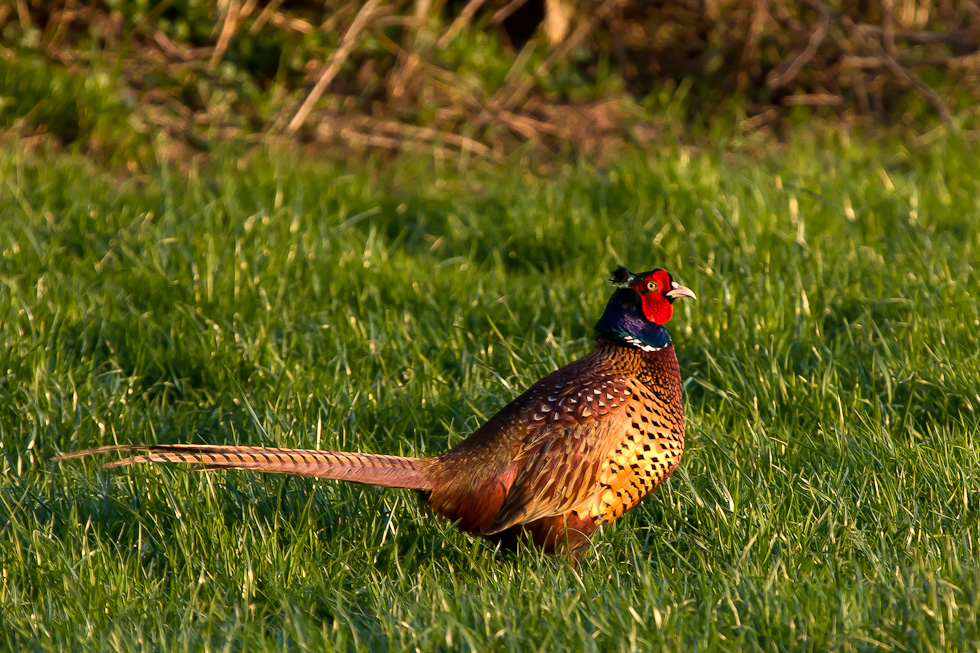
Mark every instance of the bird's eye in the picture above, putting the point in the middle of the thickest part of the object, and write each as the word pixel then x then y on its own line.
pixel 651 285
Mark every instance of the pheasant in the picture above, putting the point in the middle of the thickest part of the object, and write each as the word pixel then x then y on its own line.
pixel 578 449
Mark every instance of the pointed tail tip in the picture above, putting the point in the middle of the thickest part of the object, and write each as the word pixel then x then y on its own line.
pixel 94 451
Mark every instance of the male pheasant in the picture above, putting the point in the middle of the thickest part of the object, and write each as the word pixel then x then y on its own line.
pixel 578 449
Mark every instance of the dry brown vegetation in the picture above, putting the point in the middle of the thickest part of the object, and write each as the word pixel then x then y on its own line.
pixel 485 76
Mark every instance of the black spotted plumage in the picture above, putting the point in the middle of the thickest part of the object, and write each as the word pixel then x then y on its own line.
pixel 578 449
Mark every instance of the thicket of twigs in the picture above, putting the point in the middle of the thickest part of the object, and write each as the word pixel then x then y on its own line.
pixel 482 76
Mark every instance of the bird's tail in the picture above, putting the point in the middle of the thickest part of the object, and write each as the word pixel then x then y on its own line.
pixel 370 469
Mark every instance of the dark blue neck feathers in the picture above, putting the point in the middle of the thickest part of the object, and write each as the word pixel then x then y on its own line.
pixel 623 320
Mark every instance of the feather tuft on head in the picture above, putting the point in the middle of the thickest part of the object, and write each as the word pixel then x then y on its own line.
pixel 620 276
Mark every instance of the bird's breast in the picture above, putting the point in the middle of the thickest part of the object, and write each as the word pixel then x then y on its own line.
pixel 650 448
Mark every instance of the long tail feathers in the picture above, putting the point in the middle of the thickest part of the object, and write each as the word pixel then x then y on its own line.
pixel 370 469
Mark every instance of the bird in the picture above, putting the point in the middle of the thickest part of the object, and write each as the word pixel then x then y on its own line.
pixel 575 451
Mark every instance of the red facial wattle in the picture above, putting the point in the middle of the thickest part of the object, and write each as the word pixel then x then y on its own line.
pixel 653 291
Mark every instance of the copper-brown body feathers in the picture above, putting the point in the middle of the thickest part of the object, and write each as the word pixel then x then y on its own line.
pixel 578 449
pixel 581 447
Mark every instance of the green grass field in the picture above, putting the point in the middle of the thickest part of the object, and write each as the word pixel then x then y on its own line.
pixel 829 497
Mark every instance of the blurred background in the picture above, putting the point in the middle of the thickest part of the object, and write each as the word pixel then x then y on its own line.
pixel 122 79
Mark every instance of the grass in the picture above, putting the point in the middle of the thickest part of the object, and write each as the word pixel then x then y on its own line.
pixel 828 498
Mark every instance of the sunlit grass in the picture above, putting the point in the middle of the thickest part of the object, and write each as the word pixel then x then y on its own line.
pixel 828 499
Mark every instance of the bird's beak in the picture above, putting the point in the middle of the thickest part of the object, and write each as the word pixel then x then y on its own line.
pixel 677 290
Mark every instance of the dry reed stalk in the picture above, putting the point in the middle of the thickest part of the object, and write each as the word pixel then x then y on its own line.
pixel 461 21
pixel 267 13
pixel 504 12
pixel 23 14
pixel 396 135
pixel 227 31
pixel 509 101
pixel 332 67
pixel 407 61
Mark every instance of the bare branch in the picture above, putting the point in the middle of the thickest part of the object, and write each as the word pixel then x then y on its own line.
pixel 778 79
pixel 905 76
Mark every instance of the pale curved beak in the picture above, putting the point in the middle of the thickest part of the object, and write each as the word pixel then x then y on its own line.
pixel 677 290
